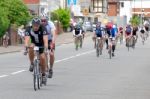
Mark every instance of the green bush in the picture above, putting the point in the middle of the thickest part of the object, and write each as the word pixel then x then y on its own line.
pixel 12 12
pixel 135 20
pixel 63 16
pixel 4 22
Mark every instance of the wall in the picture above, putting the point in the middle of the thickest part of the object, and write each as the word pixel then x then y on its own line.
pixel 126 10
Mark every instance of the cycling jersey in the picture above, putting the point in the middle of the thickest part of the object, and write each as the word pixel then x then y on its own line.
pixel 36 36
pixel 99 31
pixel 135 29
pixel 113 32
pixel 50 27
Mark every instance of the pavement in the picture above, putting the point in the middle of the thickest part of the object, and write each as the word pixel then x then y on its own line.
pixel 63 38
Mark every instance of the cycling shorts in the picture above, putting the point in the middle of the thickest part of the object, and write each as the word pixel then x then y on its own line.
pixel 98 35
pixel 128 33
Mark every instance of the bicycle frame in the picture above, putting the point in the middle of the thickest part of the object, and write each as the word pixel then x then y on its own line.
pixel 143 38
pixel 99 45
pixel 111 42
pixel 78 41
pixel 36 69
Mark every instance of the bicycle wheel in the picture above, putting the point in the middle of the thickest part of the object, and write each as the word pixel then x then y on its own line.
pixel 81 42
pixel 39 79
pixel 76 43
pixel 97 49
pixel 101 47
pixel 128 44
pixel 35 77
pixel 110 53
pixel 128 47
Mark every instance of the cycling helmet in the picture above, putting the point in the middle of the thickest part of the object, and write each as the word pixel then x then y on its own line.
pixel 36 21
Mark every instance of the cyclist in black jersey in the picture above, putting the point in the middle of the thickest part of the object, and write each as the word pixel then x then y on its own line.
pixel 38 36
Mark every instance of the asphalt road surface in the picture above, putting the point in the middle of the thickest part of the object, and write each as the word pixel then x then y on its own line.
pixel 81 75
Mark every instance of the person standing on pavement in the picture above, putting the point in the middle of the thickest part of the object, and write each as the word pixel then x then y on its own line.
pixel 51 41
pixel 5 40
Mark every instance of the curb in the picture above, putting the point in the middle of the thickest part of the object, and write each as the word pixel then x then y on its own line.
pixel 15 51
pixel 10 52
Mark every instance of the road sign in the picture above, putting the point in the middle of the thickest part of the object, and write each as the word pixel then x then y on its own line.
pixel 85 11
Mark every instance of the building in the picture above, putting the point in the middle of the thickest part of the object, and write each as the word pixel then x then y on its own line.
pixel 40 7
pixel 135 7
pixel 33 6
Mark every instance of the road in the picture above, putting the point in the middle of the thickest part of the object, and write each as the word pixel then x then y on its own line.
pixel 81 75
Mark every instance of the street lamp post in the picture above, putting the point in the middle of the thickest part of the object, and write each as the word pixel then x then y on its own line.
pixel 142 16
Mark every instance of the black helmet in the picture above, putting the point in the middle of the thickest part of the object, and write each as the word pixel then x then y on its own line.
pixel 36 21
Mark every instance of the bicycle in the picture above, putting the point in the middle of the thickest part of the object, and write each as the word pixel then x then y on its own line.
pixel 111 43
pixel 78 41
pixel 134 40
pixel 99 46
pixel 37 74
pixel 121 37
pixel 128 42
pixel 143 38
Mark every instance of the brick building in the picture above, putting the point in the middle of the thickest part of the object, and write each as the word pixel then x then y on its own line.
pixel 33 6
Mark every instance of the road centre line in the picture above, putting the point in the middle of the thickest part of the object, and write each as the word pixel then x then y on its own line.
pixel 80 54
pixel 57 61
pixel 2 76
pixel 18 72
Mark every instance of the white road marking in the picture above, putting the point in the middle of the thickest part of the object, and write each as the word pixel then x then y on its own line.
pixel 57 61
pixel 18 72
pixel 2 76
pixel 80 54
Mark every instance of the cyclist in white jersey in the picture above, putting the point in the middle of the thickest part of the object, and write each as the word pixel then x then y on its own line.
pixel 51 41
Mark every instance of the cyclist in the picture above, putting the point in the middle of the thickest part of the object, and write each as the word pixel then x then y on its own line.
pixel 113 38
pixel 51 41
pixel 38 35
pixel 77 32
pixel 98 32
pixel 121 34
pixel 142 31
pixel 108 28
pixel 146 26
pixel 134 33
pixel 128 33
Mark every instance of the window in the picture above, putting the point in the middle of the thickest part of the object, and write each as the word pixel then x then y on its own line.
pixel 122 4
pixel 98 6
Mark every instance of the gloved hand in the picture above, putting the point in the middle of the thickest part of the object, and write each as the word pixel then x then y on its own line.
pixel 52 45
pixel 25 51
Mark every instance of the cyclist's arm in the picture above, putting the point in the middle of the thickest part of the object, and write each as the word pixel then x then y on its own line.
pixel 80 32
pixel 27 37
pixel 53 31
pixel 45 38
pixel 73 32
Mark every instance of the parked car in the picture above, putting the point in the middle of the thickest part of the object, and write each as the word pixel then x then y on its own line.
pixel 88 26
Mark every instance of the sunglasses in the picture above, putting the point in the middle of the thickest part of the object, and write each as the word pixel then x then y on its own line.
pixel 43 20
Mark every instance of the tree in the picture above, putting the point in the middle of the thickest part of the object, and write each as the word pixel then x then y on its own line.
pixel 63 16
pixel 12 12
pixel 18 12
pixel 135 20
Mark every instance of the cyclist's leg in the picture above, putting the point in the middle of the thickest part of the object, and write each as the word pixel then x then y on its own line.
pixel 81 40
pixel 52 59
pixel 31 58
pixel 113 47
pixel 43 65
pixel 106 40
pixel 43 62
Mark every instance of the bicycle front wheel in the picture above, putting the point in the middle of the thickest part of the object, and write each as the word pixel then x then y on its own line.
pixel 36 77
